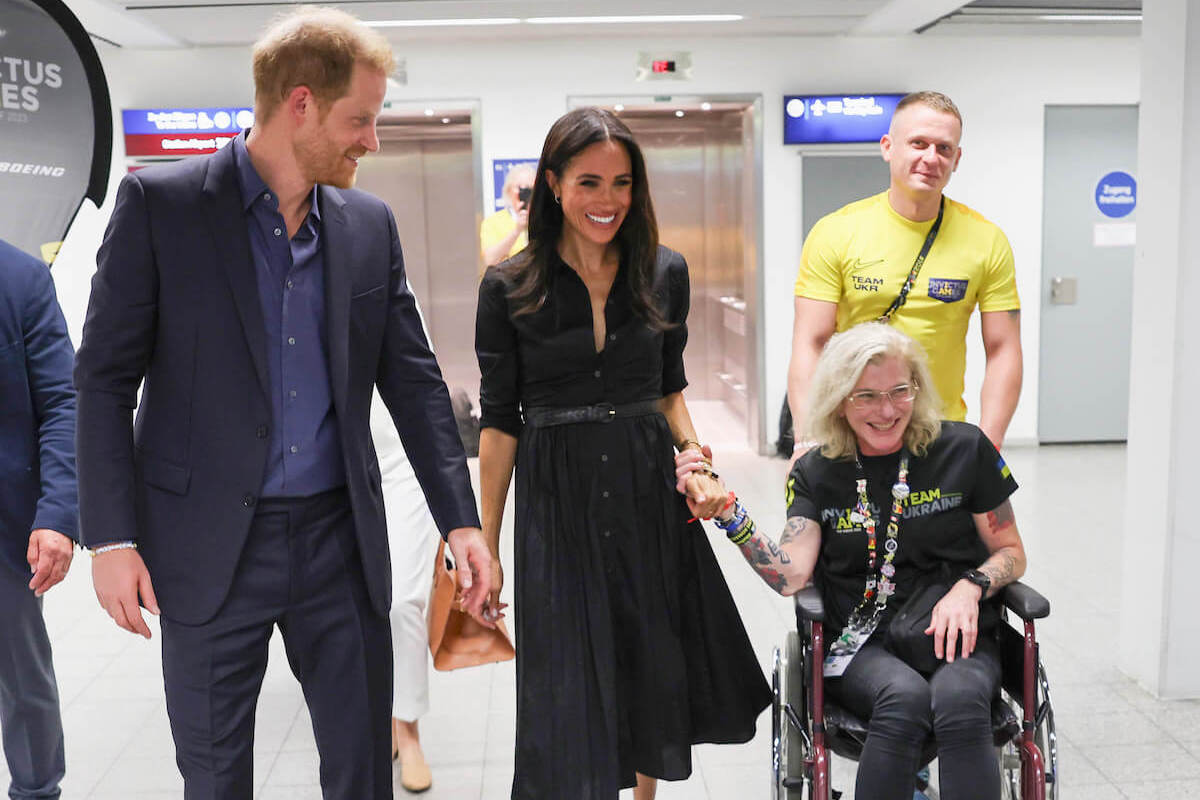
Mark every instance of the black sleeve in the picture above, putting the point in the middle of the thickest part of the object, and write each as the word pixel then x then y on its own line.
pixel 800 500
pixel 496 350
pixel 993 479
pixel 675 337
pixel 48 362
pixel 118 340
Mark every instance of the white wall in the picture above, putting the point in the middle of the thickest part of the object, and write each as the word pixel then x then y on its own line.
pixel 1000 84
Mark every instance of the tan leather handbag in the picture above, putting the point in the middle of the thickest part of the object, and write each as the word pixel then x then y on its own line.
pixel 455 639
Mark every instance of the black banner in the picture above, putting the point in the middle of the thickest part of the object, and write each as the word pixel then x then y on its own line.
pixel 55 124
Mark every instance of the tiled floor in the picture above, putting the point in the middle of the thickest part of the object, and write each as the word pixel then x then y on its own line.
pixel 1116 741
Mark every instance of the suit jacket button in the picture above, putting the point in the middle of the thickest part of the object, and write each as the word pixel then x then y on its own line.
pixel 248 500
pixel 261 432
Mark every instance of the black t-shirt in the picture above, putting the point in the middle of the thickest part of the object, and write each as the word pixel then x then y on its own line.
pixel 961 474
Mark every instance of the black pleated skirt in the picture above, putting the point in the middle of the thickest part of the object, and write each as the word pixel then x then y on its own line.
pixel 629 646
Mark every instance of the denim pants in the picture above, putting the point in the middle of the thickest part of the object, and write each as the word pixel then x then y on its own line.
pixel 903 706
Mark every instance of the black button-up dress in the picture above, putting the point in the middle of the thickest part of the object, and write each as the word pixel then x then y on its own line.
pixel 629 646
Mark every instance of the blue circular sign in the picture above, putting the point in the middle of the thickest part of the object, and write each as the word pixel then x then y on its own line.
pixel 1116 194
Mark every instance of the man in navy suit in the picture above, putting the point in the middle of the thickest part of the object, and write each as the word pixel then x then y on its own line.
pixel 262 300
pixel 38 513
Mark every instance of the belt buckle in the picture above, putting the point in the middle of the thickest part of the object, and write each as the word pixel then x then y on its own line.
pixel 608 410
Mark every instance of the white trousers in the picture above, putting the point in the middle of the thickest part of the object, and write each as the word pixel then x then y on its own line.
pixel 413 537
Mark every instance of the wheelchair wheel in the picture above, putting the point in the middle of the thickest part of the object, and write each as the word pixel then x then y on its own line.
pixel 790 749
pixel 1044 737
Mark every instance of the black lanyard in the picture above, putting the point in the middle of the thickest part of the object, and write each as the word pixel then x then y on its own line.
pixel 916 267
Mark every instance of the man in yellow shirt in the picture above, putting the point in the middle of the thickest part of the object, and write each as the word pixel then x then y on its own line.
pixel 503 234
pixel 856 260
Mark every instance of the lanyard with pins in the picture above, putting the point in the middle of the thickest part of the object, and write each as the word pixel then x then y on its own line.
pixel 865 618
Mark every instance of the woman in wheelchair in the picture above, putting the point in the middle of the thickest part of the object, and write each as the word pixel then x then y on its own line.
pixel 903 522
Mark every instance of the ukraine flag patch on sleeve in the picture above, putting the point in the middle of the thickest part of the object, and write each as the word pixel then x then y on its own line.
pixel 1005 472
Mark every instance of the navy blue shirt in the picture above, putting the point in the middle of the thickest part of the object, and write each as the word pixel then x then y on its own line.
pixel 305 455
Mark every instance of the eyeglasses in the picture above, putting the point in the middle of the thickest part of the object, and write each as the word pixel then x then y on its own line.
pixel 900 395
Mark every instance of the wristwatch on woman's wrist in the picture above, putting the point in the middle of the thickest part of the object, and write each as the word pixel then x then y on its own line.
pixel 980 579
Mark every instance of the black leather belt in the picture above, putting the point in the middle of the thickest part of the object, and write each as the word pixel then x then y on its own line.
pixel 546 416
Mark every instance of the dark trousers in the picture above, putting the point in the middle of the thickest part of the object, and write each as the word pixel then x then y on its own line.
pixel 903 706
pixel 300 570
pixel 29 713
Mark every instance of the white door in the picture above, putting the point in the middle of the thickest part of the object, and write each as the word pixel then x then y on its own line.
pixel 1089 227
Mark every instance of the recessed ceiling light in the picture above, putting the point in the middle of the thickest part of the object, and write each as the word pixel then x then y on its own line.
pixel 445 120
pixel 679 113
pixel 618 107
pixel 440 23
pixel 1090 17
pixel 618 20
pixel 706 106
pixel 429 112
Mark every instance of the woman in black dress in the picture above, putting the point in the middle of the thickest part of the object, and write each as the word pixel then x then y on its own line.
pixel 629 647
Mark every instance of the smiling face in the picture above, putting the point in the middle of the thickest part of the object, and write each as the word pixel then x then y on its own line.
pixel 921 150
pixel 330 141
pixel 595 191
pixel 880 428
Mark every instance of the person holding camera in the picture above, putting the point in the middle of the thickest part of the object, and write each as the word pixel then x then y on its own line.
pixel 502 234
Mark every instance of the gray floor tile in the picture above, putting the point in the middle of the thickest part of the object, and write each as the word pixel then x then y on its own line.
pixel 1125 763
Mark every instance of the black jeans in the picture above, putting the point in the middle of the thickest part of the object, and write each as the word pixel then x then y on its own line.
pixel 903 707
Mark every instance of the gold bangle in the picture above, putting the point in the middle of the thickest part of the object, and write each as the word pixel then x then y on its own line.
pixel 683 445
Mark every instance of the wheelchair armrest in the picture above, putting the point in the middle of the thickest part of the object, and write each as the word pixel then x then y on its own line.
pixel 1025 602
pixel 809 605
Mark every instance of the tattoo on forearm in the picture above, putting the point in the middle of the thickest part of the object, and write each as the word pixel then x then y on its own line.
pixel 1000 568
pixel 1001 517
pixel 768 558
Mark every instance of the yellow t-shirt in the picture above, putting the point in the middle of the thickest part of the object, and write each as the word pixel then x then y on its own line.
pixel 497 226
pixel 860 255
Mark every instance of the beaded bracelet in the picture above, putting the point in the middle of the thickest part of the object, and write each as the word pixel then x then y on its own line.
pixel 115 546
pixel 683 445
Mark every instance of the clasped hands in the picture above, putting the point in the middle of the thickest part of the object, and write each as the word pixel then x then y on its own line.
pixel 706 494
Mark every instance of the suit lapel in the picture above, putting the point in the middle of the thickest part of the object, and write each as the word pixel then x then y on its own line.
pixel 227 224
pixel 337 245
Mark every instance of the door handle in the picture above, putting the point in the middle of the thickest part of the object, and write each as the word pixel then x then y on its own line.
pixel 1063 291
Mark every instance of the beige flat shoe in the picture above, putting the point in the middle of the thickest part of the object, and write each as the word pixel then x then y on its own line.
pixel 415 776
pixel 395 739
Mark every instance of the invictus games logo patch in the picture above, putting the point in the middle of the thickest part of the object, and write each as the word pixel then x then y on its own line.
pixel 948 290
pixel 1005 472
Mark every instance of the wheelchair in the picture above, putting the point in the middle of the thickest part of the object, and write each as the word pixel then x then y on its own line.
pixel 808 727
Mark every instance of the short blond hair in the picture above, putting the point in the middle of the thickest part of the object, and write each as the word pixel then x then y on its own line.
pixel 314 47
pixel 838 370
pixel 935 100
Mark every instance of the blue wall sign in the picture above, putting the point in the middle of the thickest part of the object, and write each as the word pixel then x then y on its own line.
pixel 1116 194
pixel 230 119
pixel 837 119
pixel 500 168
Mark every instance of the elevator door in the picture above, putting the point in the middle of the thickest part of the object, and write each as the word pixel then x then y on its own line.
pixel 701 186
pixel 427 175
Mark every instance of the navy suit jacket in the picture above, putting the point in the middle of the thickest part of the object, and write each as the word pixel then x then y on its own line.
pixel 37 409
pixel 175 302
